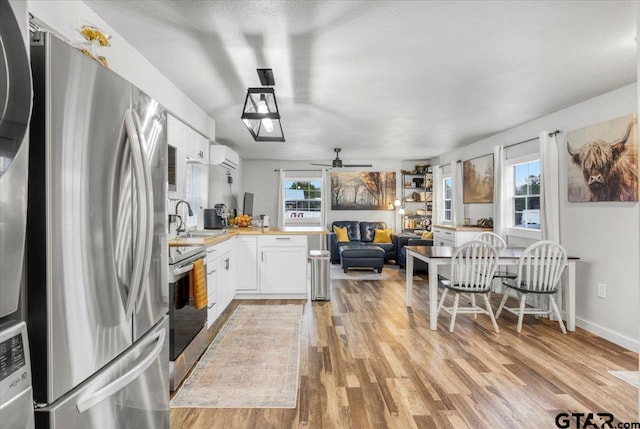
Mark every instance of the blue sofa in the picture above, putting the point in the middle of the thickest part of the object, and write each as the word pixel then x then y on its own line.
pixel 359 233
pixel 418 265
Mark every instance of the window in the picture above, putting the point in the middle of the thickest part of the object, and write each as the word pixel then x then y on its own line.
pixel 303 201
pixel 196 191
pixel 446 185
pixel 526 195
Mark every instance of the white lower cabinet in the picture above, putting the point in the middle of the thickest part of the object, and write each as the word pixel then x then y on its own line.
pixel 221 278
pixel 247 257
pixel 212 287
pixel 449 236
pixel 226 279
pixel 282 264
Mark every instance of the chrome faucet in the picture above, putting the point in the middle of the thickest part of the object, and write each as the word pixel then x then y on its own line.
pixel 183 224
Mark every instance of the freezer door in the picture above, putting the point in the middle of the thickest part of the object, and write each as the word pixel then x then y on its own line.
pixel 81 215
pixel 152 302
pixel 132 392
pixel 15 108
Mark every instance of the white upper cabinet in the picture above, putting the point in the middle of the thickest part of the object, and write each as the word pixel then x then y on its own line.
pixel 196 146
pixel 185 145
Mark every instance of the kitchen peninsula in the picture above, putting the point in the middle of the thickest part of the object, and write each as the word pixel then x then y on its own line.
pixel 271 262
pixel 245 263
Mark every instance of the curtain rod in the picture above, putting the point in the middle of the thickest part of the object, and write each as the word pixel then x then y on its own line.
pixel 552 133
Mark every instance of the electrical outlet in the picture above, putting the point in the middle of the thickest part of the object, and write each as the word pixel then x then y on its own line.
pixel 602 290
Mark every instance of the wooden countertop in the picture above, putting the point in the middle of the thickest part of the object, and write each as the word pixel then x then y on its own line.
pixel 201 241
pixel 463 228
pixel 232 232
pixel 289 230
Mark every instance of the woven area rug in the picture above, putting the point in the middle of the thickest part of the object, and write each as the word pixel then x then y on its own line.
pixel 252 363
pixel 631 377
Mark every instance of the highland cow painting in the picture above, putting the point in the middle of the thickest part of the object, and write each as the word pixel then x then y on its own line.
pixel 477 179
pixel 371 190
pixel 603 161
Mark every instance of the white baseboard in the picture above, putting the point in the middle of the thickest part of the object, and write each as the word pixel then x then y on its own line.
pixel 609 335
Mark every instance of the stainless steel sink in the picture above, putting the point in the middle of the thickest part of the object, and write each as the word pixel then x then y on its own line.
pixel 203 233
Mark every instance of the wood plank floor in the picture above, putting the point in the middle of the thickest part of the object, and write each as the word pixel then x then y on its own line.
pixel 369 362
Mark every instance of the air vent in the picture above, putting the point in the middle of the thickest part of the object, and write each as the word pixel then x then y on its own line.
pixel 223 156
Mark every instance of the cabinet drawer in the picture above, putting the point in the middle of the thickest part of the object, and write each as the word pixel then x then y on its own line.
pixel 443 242
pixel 224 247
pixel 283 240
pixel 443 234
pixel 212 254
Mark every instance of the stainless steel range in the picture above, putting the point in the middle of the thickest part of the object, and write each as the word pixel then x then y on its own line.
pixel 188 336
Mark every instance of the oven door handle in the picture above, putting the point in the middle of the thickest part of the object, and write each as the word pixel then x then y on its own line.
pixel 182 270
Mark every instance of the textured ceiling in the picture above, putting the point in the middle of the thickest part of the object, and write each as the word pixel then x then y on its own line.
pixel 382 79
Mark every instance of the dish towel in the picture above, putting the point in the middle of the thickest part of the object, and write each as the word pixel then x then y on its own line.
pixel 198 285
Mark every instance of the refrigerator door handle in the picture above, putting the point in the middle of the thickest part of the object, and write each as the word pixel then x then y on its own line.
pixel 94 397
pixel 141 215
pixel 148 209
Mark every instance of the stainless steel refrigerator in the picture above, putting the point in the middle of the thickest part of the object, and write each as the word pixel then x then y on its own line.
pixel 16 402
pixel 97 249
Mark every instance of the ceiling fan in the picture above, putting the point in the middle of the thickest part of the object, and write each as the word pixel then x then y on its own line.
pixel 337 163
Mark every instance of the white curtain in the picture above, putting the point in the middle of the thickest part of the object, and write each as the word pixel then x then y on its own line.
pixel 549 192
pixel 438 196
pixel 281 197
pixel 500 203
pixel 326 197
pixel 458 205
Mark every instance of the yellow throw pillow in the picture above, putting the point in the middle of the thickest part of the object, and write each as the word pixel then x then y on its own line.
pixel 341 233
pixel 427 235
pixel 382 236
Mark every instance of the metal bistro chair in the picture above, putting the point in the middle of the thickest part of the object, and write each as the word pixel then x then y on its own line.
pixel 539 271
pixel 472 268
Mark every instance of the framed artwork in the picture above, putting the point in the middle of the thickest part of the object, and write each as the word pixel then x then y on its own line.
pixel 477 180
pixel 603 161
pixel 371 190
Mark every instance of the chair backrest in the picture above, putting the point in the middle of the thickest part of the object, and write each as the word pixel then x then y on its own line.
pixel 473 265
pixel 541 266
pixel 492 238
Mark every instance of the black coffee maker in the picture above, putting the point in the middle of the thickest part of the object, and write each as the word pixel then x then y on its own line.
pixel 216 218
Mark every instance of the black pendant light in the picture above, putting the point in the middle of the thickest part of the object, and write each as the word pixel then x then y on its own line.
pixel 260 113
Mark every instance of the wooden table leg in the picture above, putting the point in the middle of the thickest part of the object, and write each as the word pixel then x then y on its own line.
pixel 433 295
pixel 570 296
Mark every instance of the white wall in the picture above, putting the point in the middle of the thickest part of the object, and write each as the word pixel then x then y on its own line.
pixel 64 17
pixel 260 177
pixel 221 192
pixel 604 235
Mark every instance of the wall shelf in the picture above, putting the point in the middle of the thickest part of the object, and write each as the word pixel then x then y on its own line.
pixel 416 201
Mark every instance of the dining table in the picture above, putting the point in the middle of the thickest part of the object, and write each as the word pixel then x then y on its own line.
pixel 439 256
